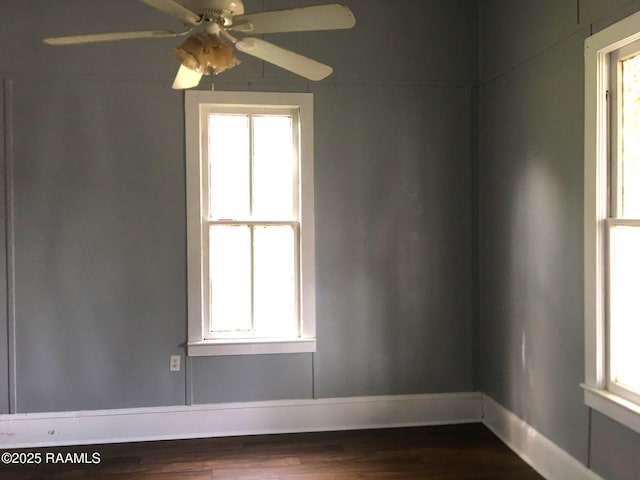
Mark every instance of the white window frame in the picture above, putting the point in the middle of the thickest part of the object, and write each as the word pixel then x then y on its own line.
pixel 198 104
pixel 598 51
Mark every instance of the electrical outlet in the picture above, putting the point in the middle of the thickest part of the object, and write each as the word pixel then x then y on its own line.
pixel 174 363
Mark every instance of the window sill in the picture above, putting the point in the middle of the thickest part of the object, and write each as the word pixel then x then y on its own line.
pixel 207 348
pixel 621 410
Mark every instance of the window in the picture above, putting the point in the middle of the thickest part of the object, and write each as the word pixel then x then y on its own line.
pixel 612 221
pixel 250 231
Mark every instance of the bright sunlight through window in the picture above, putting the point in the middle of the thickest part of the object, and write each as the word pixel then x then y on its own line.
pixel 253 225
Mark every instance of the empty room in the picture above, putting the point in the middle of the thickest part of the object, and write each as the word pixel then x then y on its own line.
pixel 460 211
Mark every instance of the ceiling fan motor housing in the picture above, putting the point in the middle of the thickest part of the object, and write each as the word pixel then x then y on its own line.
pixel 215 10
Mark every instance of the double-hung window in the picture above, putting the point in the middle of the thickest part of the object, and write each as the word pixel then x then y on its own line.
pixel 612 221
pixel 250 232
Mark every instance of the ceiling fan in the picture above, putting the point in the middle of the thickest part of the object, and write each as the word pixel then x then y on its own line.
pixel 210 22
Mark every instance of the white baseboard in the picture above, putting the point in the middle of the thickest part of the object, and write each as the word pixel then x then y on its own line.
pixel 547 458
pixel 290 416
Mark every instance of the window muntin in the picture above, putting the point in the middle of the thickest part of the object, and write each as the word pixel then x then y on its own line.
pixel 251 162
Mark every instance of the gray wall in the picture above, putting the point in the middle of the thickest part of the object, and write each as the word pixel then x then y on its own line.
pixel 93 238
pixel 93 157
pixel 530 185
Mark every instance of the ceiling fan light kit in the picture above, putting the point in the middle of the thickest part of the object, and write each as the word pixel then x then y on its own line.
pixel 210 21
pixel 186 78
pixel 203 51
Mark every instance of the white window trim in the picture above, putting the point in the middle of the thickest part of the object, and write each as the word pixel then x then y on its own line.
pixel 597 50
pixel 197 325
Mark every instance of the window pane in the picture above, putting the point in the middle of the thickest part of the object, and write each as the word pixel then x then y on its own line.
pixel 630 168
pixel 229 181
pixel 624 329
pixel 273 167
pixel 230 278
pixel 274 277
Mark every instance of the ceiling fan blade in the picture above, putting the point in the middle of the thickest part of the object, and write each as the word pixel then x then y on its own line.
pixel 294 62
pixel 175 10
pixel 109 37
pixel 332 16
pixel 186 78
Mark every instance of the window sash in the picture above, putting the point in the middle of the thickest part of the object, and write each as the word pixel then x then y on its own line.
pixel 616 120
pixel 210 333
pixel 250 112
pixel 626 391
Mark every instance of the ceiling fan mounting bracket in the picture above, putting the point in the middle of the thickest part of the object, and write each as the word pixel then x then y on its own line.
pixel 219 12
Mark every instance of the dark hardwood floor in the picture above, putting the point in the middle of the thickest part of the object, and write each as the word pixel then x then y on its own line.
pixel 460 452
